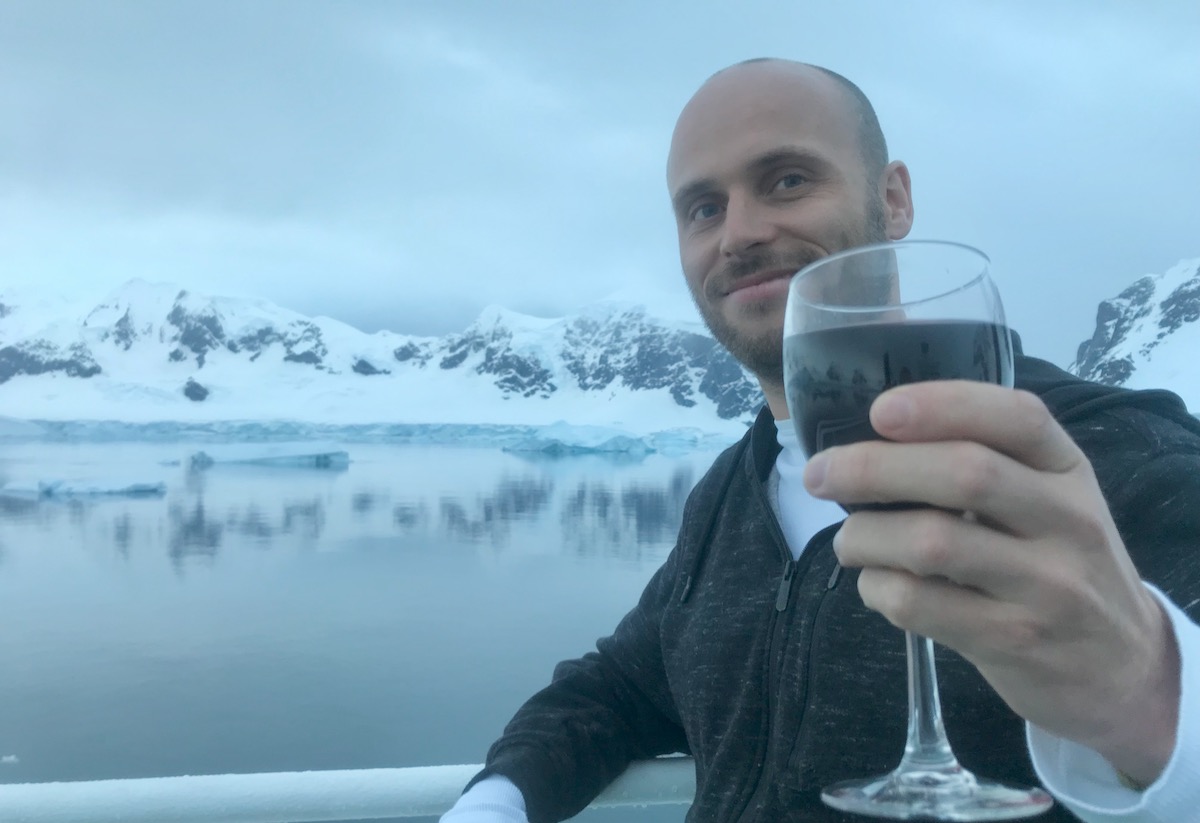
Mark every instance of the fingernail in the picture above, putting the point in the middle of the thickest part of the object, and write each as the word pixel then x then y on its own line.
pixel 814 472
pixel 892 411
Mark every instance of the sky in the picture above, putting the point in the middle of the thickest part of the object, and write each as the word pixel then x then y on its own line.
pixel 402 165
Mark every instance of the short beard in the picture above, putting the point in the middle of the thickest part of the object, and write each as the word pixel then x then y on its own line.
pixel 763 355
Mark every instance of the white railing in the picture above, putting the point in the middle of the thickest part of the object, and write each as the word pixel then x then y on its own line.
pixel 300 797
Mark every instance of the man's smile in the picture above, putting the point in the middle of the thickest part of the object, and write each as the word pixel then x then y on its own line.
pixel 759 286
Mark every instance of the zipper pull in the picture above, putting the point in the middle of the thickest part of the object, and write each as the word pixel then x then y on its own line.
pixel 833 578
pixel 785 586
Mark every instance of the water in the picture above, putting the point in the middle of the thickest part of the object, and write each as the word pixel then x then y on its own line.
pixel 391 614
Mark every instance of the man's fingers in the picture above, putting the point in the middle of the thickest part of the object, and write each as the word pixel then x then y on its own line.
pixel 938 609
pixel 1015 423
pixel 959 476
pixel 936 543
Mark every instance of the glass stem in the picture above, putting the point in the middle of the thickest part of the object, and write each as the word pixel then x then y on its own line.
pixel 927 747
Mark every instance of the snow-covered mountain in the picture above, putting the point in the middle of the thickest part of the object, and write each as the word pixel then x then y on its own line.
pixel 1148 336
pixel 154 352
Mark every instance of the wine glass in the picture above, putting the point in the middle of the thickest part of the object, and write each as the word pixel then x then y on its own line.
pixel 858 323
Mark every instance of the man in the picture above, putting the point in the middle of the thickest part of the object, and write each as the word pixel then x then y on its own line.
pixel 751 650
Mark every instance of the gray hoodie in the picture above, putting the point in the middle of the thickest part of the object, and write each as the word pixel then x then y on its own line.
pixel 772 674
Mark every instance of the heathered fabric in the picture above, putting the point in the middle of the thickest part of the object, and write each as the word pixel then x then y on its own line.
pixel 777 696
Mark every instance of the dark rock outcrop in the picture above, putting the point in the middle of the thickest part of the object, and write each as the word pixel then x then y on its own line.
pixel 41 356
pixel 194 391
pixel 365 368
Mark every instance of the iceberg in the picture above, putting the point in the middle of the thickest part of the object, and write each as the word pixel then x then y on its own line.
pixel 278 455
pixel 565 440
pixel 62 489
pixel 675 442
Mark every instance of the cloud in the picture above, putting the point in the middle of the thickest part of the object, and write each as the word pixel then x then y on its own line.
pixel 491 76
pixel 409 163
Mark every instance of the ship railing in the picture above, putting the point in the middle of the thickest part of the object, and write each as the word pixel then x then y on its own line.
pixel 303 797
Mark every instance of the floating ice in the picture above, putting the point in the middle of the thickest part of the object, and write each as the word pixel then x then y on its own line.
pixel 280 455
pixel 563 439
pixel 9 760
pixel 85 488
pixel 685 440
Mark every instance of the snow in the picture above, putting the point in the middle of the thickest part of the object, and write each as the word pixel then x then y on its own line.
pixel 140 385
pixel 493 316
pixel 666 305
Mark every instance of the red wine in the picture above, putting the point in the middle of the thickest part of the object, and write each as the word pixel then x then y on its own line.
pixel 833 375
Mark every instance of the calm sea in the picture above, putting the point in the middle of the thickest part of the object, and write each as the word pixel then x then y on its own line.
pixel 392 613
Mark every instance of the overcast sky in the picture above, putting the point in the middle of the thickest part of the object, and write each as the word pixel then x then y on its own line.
pixel 401 165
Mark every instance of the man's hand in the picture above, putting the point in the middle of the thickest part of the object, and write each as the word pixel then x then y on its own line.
pixel 1033 586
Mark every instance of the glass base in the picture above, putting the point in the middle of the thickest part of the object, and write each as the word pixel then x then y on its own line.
pixel 952 794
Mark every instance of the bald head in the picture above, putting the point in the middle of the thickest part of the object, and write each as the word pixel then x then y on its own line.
pixel 775 164
pixel 854 104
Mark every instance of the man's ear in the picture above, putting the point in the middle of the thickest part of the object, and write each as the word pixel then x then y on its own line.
pixel 897 200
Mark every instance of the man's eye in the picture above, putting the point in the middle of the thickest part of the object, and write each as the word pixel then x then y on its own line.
pixel 790 181
pixel 704 211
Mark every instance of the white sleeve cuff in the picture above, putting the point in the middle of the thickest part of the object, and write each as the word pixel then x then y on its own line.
pixel 495 799
pixel 1083 781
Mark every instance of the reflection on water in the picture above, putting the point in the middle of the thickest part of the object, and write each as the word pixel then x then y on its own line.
pixel 600 508
pixel 193 534
pixel 489 517
pixel 600 519
pixel 264 619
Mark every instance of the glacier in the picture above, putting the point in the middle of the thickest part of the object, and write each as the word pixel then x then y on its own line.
pixel 564 440
pixel 301 443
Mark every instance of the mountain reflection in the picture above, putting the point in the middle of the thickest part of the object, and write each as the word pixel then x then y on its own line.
pixel 363 503
pixel 252 523
pixel 17 508
pixel 194 534
pixel 304 519
pixel 576 507
pixel 409 517
pixel 491 516
pixel 598 521
pixel 123 534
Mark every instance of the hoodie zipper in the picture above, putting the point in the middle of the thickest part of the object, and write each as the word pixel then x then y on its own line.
pixel 775 653
pixel 818 614
pixel 783 597
pixel 785 586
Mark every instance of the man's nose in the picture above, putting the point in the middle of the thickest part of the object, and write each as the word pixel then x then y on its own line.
pixel 746 225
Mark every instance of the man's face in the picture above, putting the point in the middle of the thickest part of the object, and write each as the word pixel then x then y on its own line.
pixel 766 175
